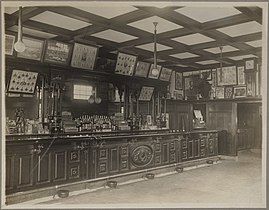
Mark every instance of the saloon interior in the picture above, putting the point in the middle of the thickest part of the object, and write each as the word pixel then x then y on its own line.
pixel 133 104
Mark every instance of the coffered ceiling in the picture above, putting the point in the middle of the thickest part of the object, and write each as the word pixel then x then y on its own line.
pixel 189 38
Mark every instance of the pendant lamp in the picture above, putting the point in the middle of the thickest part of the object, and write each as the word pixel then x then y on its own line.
pixel 155 71
pixel 19 45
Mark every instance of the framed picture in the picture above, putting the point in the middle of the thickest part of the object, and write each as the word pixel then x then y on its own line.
pixel 219 92
pixel 251 64
pixel 154 76
pixel 57 52
pixel 22 82
pixel 178 81
pixel 165 74
pixel 9 44
pixel 241 75
pixel 178 94
pixel 125 64
pixel 228 92
pixel 84 56
pixel 206 74
pixel 33 49
pixel 142 69
pixel 214 77
pixel 227 76
pixel 240 92
pixel 146 93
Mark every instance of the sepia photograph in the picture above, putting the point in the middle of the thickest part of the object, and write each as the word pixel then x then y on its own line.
pixel 134 104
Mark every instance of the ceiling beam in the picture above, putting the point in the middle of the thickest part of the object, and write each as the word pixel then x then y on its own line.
pixel 252 13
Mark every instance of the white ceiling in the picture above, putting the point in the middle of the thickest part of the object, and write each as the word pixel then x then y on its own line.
pixel 226 48
pixel 193 39
pixel 150 47
pixel 185 55
pixel 33 32
pixel 61 21
pixel 256 43
pixel 207 62
pixel 241 57
pixel 205 14
pixel 241 29
pixel 114 36
pixel 147 24
pixel 107 11
pixel 11 10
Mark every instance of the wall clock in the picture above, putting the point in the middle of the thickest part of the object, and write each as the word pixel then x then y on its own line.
pixel 250 64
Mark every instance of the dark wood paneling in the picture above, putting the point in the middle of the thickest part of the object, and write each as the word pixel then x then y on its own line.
pixel 43 168
pixel 60 166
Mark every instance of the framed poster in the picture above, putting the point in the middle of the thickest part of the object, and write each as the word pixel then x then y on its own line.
pixel 206 74
pixel 153 76
pixel 219 92
pixel 178 81
pixel 9 44
pixel 33 49
pixel 240 92
pixel 22 82
pixel 241 75
pixel 57 52
pixel 165 74
pixel 228 92
pixel 146 93
pixel 125 64
pixel 142 69
pixel 84 56
pixel 227 76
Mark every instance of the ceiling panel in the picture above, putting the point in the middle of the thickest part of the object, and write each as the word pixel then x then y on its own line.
pixel 61 21
pixel 207 62
pixel 241 57
pixel 184 55
pixel 241 29
pixel 150 47
pixel 114 36
pixel 152 60
pixel 11 10
pixel 193 39
pixel 33 32
pixel 216 50
pixel 256 43
pixel 107 12
pixel 205 14
pixel 180 65
pixel 147 25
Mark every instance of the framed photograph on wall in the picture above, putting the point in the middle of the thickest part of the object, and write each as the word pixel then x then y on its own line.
pixel 228 92
pixel 165 74
pixel 22 82
pixel 33 49
pixel 206 74
pixel 57 52
pixel 240 92
pixel 227 76
pixel 154 76
pixel 142 69
pixel 125 64
pixel 9 44
pixel 178 81
pixel 84 56
pixel 219 92
pixel 146 93
pixel 241 75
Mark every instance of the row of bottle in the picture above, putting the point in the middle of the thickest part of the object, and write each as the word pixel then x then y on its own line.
pixel 94 123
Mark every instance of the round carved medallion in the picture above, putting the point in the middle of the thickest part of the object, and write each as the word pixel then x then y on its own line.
pixel 142 155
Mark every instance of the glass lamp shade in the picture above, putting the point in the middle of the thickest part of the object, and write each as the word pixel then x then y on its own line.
pixel 91 99
pixel 155 72
pixel 98 100
pixel 19 46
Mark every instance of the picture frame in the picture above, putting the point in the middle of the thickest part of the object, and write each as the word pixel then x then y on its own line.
pixel 84 56
pixel 219 92
pixel 126 64
pixel 9 44
pixel 146 93
pixel 23 82
pixel 57 52
pixel 33 49
pixel 240 92
pixel 228 92
pixel 227 76
pixel 165 74
pixel 206 74
pixel 142 69
pixel 214 77
pixel 178 81
pixel 152 76
pixel 241 75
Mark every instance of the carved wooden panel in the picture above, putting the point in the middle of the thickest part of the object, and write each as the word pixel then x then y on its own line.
pixel 103 154
pixel 9 172
pixel 102 168
pixel 157 159
pixel 196 148
pixel 114 160
pixel 211 147
pixel 165 153
pixel 190 145
pixel 60 165
pixel 124 150
pixel 43 168
pixel 184 155
pixel 124 164
pixel 74 172
pixel 141 155
pixel 24 170
pixel 74 156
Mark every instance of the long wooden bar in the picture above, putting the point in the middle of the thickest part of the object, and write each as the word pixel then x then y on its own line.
pixel 33 163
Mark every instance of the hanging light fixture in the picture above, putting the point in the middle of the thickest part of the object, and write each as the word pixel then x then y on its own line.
pixel 221 48
pixel 155 71
pixel 19 45
pixel 93 99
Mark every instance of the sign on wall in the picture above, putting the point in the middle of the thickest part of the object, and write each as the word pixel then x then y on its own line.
pixel 146 93
pixel 125 64
pixel 33 49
